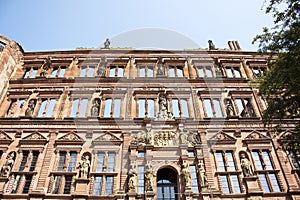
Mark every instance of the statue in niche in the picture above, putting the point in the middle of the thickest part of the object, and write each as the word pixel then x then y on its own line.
pixel 84 167
pixel 132 179
pixel 183 137
pixel 186 176
pixel 149 177
pixel 246 165
pixel 211 45
pixel 218 71
pixel 7 167
pixel 106 43
pixel 30 108
pixel 229 108
pixel 95 108
pixel 163 108
pixel 101 67
pixel 45 67
pixel 160 68
pixel 202 175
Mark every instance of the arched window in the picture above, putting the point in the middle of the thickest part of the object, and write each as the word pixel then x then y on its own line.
pixel 167 184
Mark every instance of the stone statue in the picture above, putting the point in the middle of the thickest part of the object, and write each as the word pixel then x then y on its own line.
pixel 211 45
pixel 101 67
pixel 160 68
pixel 10 160
pixel 246 166
pixel 229 108
pixel 106 43
pixel 30 108
pixel 132 179
pixel 95 108
pixel 186 176
pixel 149 177
pixel 202 175
pixel 45 67
pixel 193 139
pixel 84 166
pixel 218 71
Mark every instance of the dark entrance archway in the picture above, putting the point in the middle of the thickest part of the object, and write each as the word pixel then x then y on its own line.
pixel 166 187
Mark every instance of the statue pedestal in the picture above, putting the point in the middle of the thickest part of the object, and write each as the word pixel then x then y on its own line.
pixel 3 180
pixel 188 194
pixel 120 195
pixel 132 195
pixel 252 185
pixel 149 195
pixel 82 188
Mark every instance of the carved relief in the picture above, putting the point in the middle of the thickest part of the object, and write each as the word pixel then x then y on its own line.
pixel 7 167
pixel 70 137
pixel 255 135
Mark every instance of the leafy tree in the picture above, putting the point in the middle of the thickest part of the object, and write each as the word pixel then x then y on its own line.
pixel 281 85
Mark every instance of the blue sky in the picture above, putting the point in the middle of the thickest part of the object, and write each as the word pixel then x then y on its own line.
pixel 67 24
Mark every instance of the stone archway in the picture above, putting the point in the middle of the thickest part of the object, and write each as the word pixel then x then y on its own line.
pixel 167 184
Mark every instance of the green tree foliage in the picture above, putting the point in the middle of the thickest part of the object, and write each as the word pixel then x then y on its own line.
pixel 281 85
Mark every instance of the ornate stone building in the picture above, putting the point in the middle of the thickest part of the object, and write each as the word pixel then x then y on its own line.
pixel 139 124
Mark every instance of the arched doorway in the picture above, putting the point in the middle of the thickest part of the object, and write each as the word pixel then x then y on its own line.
pixel 166 185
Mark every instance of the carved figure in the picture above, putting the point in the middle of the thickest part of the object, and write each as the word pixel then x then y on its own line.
pixel 186 176
pixel 149 177
pixel 202 175
pixel 95 108
pixel 193 138
pixel 132 179
pixel 160 68
pixel 229 109
pixel 218 71
pixel 106 43
pixel 211 45
pixel 101 67
pixel 246 166
pixel 45 67
pixel 30 108
pixel 84 166
pixel 8 165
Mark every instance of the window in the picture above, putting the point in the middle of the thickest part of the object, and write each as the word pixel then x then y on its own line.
pixel 294 161
pixel 212 107
pixel 191 154
pixel 112 107
pixel 266 173
pixel 258 71
pixel 116 71
pixel 105 160
pixel 204 71
pixel 233 71
pixel 30 158
pixel 100 161
pixel 15 107
pixel 146 108
pixel 194 179
pixel 166 185
pixel 230 181
pixel 59 187
pixel 145 71
pixel 98 185
pixel 244 107
pixel 63 158
pixel 109 185
pixel 30 73
pixel 58 72
pixel 24 160
pixel 179 107
pixel 79 107
pixel 141 176
pixel 46 108
pixel 28 179
pixel 87 71
pixel 175 71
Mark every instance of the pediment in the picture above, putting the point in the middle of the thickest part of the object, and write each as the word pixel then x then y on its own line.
pixel 222 137
pixel 107 138
pixel 35 136
pixel 4 138
pixel 70 138
pixel 255 135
